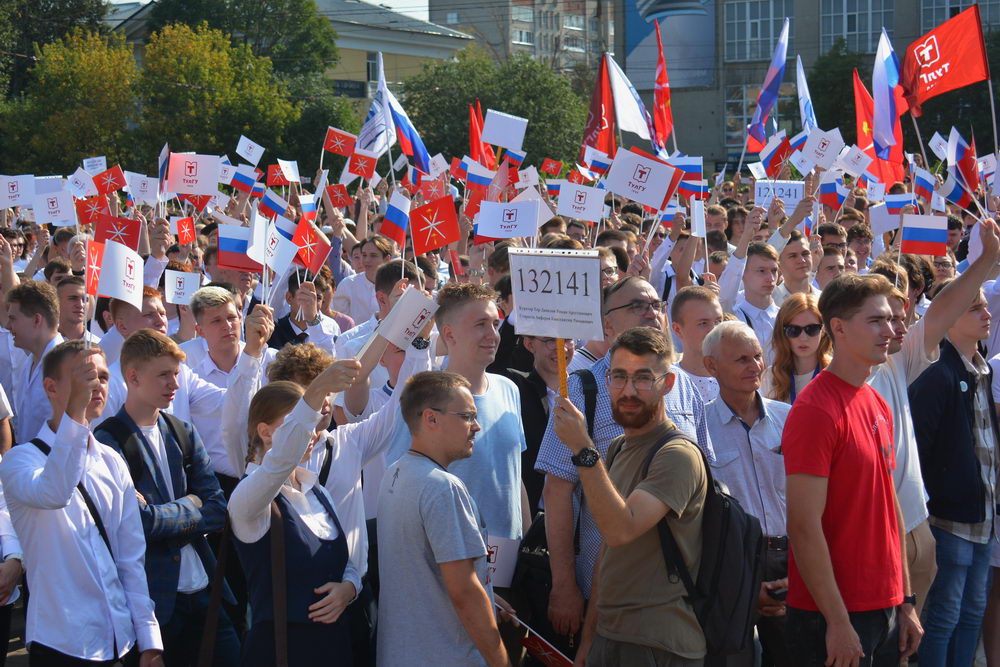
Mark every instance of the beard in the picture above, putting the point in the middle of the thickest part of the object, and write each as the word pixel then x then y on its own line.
pixel 634 419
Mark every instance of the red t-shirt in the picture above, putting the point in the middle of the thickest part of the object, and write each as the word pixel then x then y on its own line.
pixel 844 433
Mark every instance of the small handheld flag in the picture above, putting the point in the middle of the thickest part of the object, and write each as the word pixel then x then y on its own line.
pixel 925 235
pixel 397 219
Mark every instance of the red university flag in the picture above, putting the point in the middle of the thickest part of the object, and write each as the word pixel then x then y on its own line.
pixel 275 176
pixel 434 225
pixel 600 129
pixel 339 142
pixel 95 256
pixel 551 167
pixel 362 165
pixel 339 197
pixel 185 231
pixel 122 230
pixel 313 246
pixel 199 201
pixel 663 115
pixel 88 210
pixel 950 56
pixel 111 180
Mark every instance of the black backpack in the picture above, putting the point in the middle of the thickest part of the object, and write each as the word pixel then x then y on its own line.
pixel 128 443
pixel 731 569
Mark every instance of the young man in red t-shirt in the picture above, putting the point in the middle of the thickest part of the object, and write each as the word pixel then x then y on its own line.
pixel 849 599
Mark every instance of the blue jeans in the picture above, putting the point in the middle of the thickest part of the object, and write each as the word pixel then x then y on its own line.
pixel 956 601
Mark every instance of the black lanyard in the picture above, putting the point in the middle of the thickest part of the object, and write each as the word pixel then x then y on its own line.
pixel 413 451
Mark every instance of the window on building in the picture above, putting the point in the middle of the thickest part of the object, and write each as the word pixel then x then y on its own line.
pixel 936 12
pixel 574 44
pixel 372 66
pixel 451 18
pixel 574 21
pixel 858 22
pixel 522 13
pixel 522 37
pixel 753 27
pixel 741 100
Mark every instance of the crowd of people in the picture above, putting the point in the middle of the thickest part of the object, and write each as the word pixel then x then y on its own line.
pixel 237 481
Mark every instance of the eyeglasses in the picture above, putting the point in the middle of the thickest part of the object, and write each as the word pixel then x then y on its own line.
pixel 794 330
pixel 467 417
pixel 641 381
pixel 640 307
pixel 609 271
pixel 942 265
pixel 551 342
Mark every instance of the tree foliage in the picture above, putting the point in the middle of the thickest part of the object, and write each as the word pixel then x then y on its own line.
pixel 319 108
pixel 78 104
pixel 200 92
pixel 834 71
pixel 292 33
pixel 437 102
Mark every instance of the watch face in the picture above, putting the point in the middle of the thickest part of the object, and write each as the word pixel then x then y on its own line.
pixel 588 458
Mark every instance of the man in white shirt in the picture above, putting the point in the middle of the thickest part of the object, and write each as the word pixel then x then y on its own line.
pixel 33 319
pixel 89 595
pixel 304 321
pixel 695 311
pixel 73 309
pixel 795 263
pixel 746 433
pixel 355 295
pixel 242 281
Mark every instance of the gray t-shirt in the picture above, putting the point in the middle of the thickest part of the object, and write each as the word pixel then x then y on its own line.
pixel 425 517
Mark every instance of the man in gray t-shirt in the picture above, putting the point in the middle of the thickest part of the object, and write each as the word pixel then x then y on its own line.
pixel 435 603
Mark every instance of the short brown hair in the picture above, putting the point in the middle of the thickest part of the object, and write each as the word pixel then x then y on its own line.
pixel 455 295
pixel 52 362
pixel 147 293
pixel 56 264
pixel 892 271
pixel 641 341
pixel 382 243
pixel 387 275
pixel 758 249
pixel 690 293
pixel 36 298
pixel 146 344
pixel 428 389
pixel 860 231
pixel 843 296
pixel 300 364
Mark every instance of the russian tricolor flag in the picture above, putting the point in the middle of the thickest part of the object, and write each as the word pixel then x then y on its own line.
pixel 775 153
pixel 285 227
pixel 925 235
pixel 233 243
pixel 514 158
pixel 832 193
pixel 244 179
pixel 923 184
pixel 552 187
pixel 258 190
pixel 397 219
pixel 953 191
pixel 272 205
pixel 691 167
pixel 799 140
pixel 478 175
pixel 406 134
pixel 672 209
pixel 894 204
pixel 693 190
pixel 308 205
pixel 597 161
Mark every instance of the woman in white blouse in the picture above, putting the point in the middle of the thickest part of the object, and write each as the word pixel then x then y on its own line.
pixel 319 581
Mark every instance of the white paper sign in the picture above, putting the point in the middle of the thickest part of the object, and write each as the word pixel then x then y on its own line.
pixel 527 177
pixel 290 169
pixel 938 203
pixel 698 218
pixel 249 150
pixel 639 178
pixel 545 213
pixel 502 129
pixel 501 557
pixel 789 192
pixel 47 184
pixel 987 164
pixel 854 161
pixel 192 174
pixel 822 148
pixel 876 191
pixel 939 145
pixel 81 184
pixel 121 274
pixel 438 164
pixel 504 220
pixel 226 173
pixel 882 220
pixel 258 235
pixel 557 293
pixel 407 317
pixel 278 251
pixel 757 170
pixel 55 207
pixel 180 286
pixel 142 188
pixel 801 162
pixel 17 190
pixel 581 202
pixel 95 165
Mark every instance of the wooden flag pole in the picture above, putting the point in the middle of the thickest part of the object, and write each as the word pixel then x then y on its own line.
pixel 561 358
pixel 920 139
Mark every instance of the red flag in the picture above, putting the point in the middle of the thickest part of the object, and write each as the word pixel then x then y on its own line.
pixel 199 201
pixel 888 171
pixel 122 230
pixel 362 165
pixel 110 180
pixel 87 210
pixel 185 231
pixel 499 183
pixel 275 176
pixel 544 652
pixel 339 142
pixel 339 196
pixel 489 155
pixel 313 246
pixel 551 167
pixel 433 189
pixel 950 56
pixel 478 150
pixel 434 225
pixel 456 263
pixel 95 257
pixel 473 202
pixel 663 115
pixel 456 169
pixel 600 129
pixel 574 176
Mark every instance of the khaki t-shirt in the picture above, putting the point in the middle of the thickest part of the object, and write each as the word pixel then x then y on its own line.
pixel 637 603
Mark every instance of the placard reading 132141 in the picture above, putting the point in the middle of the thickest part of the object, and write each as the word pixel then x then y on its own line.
pixel 557 293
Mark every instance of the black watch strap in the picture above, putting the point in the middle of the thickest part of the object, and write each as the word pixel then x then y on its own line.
pixel 910 599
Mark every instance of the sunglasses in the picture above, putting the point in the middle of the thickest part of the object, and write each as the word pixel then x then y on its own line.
pixel 794 330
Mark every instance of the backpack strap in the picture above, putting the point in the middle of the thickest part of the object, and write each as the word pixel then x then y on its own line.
pixel 279 590
pixel 671 551
pixel 324 471
pixel 128 443
pixel 206 650
pixel 95 515
pixel 589 383
pixel 179 430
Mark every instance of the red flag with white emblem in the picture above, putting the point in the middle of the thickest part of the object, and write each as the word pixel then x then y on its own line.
pixel 339 142
pixel 434 225
pixel 339 196
pixel 110 180
pixel 120 230
pixel 88 210
pixel 95 256
pixel 362 164
pixel 313 246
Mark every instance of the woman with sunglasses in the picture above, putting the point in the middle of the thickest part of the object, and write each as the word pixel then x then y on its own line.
pixel 801 349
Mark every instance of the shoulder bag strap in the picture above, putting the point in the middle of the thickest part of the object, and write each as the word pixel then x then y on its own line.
pixel 180 433
pixel 218 584
pixel 128 443
pixel 279 587
pixel 589 383
pixel 324 471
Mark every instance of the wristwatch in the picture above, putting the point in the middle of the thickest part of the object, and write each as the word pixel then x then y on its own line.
pixel 910 599
pixel 421 343
pixel 587 458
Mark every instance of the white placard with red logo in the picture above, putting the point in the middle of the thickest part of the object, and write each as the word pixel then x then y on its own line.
pixel 181 285
pixel 545 213
pixel 55 207
pixel 249 150
pixel 876 192
pixel 639 178
pixel 191 174
pixel 121 274
pixel 504 220
pixel 581 202
pixel 144 190
pixel 527 177
pixel 408 316
pixel 557 293
pixel 501 557
pixel 81 184
pixel 278 251
pixel 17 190
pixel 290 170
pixel 854 161
pixel 822 148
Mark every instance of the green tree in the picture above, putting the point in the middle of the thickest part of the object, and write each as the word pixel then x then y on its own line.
pixel 437 102
pixel 292 33
pixel 39 22
pixel 834 71
pixel 77 104
pixel 319 108
pixel 200 92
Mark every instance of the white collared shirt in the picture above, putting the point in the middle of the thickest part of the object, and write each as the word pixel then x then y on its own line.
pixel 31 404
pixel 83 602
pixel 349 344
pixel 750 462
pixel 323 334
pixel 111 343
pixel 761 320
pixel 355 296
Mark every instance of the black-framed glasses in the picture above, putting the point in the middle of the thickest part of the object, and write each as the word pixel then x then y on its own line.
pixel 794 330
pixel 641 381
pixel 467 417
pixel 640 307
